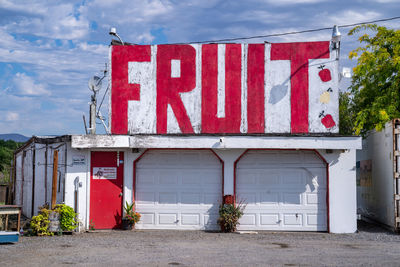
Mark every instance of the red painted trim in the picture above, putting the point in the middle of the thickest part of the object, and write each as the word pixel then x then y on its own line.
pixel 141 156
pixel 313 150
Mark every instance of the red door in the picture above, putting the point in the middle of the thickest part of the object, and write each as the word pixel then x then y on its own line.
pixel 106 184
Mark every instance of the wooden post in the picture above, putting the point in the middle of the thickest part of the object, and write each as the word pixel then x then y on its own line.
pixel 54 185
pixel 45 175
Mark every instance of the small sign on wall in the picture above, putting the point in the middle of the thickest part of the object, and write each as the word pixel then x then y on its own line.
pixel 109 173
pixel 78 160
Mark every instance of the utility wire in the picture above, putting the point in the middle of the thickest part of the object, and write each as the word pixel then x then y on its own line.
pixel 290 33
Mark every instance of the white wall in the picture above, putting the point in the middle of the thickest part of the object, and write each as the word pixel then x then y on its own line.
pixel 342 190
pixel 77 178
pixel 229 157
pixel 128 173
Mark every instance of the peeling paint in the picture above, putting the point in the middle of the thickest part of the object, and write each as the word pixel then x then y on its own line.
pixel 293 98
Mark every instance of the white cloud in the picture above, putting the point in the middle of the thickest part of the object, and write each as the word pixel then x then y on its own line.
pixel 26 85
pixel 54 19
pixel 347 17
pixel 293 2
pixel 12 116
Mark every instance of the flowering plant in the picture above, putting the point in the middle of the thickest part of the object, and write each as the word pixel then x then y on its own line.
pixel 229 215
pixel 133 218
pixel 131 215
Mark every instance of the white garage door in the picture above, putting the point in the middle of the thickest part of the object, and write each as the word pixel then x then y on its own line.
pixel 284 191
pixel 178 189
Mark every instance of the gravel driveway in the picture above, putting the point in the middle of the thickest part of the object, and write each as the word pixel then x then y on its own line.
pixel 371 246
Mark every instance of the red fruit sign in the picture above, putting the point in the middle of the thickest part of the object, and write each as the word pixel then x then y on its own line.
pixel 325 75
pixel 328 121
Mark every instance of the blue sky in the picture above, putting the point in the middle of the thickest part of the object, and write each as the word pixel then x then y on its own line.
pixel 50 49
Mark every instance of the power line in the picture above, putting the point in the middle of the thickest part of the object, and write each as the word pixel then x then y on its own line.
pixel 289 33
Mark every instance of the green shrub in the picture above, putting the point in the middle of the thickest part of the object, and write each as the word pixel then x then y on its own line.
pixel 68 220
pixel 229 215
pixel 40 223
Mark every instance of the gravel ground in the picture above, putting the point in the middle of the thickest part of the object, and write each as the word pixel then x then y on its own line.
pixel 371 246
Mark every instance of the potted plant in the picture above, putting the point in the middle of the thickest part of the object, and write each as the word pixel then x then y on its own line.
pixel 131 217
pixel 229 215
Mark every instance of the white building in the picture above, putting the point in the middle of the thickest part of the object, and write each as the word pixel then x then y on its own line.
pixel 194 126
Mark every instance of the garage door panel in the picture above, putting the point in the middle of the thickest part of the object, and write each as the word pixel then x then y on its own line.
pixel 210 199
pixel 248 198
pixel 269 219
pixel 190 219
pixel 289 199
pixel 189 158
pixel 288 192
pixel 208 178
pixel 191 198
pixel 248 219
pixel 168 198
pixel 268 198
pixel 168 178
pixel 146 177
pixel 147 218
pixel 248 179
pixel 293 177
pixel 145 198
pixel 167 218
pixel 315 220
pixel 314 199
pixel 268 179
pixel 191 179
pixel 293 219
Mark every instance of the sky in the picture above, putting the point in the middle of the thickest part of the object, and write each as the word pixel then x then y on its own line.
pixel 50 49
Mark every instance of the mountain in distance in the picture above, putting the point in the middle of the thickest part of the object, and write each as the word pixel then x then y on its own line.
pixel 14 136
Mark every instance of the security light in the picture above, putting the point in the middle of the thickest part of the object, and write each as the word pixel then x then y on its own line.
pixel 113 32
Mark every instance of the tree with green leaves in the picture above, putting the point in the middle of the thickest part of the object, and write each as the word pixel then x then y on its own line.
pixel 6 154
pixel 375 88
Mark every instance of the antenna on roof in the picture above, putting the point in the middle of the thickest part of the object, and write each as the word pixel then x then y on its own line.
pixel 95 84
